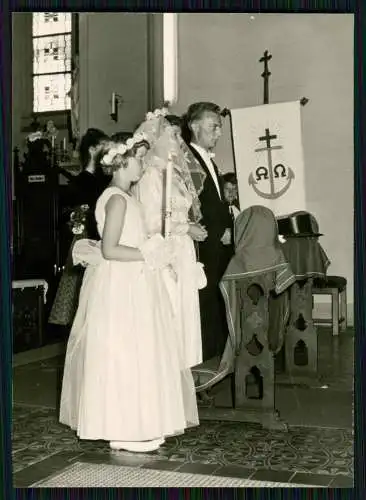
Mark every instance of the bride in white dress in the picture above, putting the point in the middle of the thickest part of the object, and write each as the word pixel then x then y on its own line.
pixel 165 141
pixel 122 379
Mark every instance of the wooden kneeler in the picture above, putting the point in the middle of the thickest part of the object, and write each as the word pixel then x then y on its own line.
pixel 258 325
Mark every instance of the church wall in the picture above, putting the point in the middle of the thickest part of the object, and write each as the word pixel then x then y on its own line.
pixel 218 58
pixel 22 92
pixel 114 54
pixel 119 52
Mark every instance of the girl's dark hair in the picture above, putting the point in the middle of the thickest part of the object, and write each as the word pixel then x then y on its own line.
pixel 174 120
pixel 124 136
pixel 230 177
pixel 92 138
pixel 186 131
pixel 121 137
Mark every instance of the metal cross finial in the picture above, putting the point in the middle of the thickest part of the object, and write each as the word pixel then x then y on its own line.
pixel 266 74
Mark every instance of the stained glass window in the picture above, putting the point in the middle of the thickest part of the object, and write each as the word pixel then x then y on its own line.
pixel 52 53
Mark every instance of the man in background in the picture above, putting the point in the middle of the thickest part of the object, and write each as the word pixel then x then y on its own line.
pixel 231 193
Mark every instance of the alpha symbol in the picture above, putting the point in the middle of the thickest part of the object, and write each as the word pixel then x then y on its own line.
pixel 270 172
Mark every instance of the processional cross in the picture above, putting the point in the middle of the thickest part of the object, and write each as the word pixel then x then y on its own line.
pixel 266 74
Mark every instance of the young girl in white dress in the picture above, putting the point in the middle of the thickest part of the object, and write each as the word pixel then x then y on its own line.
pixel 122 379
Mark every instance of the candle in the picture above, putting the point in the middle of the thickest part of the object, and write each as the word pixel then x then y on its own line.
pixel 169 178
pixel 64 144
pixel 168 195
pixel 53 138
pixel 113 112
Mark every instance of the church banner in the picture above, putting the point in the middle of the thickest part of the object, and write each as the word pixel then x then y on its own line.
pixel 269 156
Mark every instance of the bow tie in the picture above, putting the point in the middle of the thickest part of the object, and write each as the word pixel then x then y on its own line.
pixel 210 155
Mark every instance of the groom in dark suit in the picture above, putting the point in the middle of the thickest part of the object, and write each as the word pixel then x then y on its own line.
pixel 204 126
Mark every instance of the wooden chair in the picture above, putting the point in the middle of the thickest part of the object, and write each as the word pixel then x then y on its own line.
pixel 336 287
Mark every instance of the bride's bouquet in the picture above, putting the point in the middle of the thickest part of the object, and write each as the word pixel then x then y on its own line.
pixel 158 252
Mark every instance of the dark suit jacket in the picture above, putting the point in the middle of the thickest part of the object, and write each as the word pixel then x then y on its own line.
pixel 216 218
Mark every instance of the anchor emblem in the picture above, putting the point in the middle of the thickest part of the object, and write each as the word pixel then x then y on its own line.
pixel 270 173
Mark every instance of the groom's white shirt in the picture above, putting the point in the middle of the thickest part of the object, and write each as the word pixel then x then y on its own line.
pixel 206 157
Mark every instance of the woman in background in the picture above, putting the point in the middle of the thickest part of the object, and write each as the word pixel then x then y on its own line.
pixel 86 187
pixel 84 192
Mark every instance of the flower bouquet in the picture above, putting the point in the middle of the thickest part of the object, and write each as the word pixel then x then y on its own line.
pixel 67 295
pixel 78 219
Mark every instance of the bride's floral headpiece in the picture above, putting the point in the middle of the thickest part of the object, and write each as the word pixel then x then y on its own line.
pixel 121 149
pixel 151 115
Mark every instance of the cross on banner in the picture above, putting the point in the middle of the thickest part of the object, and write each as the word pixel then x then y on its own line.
pixel 268 137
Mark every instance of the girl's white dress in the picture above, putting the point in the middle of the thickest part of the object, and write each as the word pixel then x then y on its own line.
pixel 184 294
pixel 123 377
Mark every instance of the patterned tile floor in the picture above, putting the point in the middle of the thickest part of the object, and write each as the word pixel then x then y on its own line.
pixel 317 448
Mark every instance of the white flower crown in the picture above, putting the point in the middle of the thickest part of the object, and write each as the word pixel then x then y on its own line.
pixel 122 149
pixel 151 115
